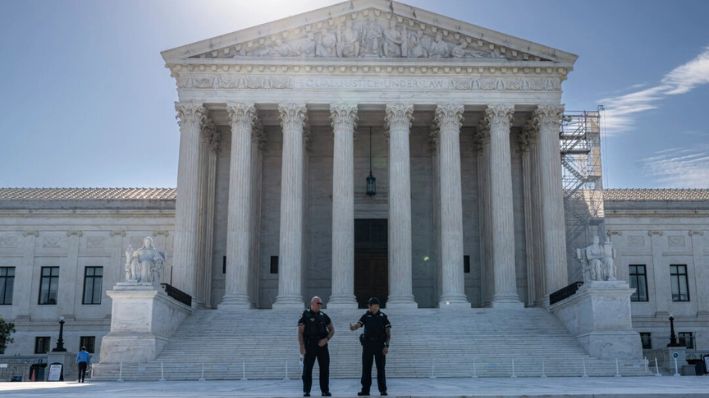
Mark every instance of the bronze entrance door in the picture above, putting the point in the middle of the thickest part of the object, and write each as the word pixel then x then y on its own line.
pixel 371 260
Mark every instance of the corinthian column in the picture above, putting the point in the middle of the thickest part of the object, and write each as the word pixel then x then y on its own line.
pixel 291 233
pixel 449 120
pixel 548 118
pixel 343 117
pixel 398 118
pixel 501 207
pixel 238 237
pixel 190 117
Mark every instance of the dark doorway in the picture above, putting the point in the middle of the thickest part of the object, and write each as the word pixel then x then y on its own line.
pixel 371 261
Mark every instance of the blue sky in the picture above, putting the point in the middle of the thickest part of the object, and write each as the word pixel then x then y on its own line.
pixel 86 100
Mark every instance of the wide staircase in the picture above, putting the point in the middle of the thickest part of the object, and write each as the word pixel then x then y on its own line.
pixel 426 343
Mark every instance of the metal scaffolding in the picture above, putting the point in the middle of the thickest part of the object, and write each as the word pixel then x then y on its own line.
pixel 582 179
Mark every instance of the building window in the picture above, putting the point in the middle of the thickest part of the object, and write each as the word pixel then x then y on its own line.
pixel 89 342
pixel 274 264
pixel 7 283
pixel 646 340
pixel 680 286
pixel 93 284
pixel 686 339
pixel 466 264
pixel 41 344
pixel 638 281
pixel 49 285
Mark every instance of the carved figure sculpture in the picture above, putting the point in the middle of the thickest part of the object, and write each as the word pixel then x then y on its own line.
pixel 597 261
pixel 146 263
pixel 393 41
pixel 348 39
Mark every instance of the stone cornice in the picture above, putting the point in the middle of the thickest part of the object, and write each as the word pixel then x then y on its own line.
pixel 364 67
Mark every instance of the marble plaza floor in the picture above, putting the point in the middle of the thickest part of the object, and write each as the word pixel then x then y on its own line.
pixel 596 387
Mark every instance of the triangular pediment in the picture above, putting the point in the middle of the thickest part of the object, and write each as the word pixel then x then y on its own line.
pixel 368 29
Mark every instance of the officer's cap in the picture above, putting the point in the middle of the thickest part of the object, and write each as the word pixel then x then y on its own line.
pixel 373 300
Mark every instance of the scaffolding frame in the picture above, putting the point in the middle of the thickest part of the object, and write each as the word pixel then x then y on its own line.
pixel 582 180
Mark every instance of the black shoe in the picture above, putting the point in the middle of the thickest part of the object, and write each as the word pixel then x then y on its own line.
pixel 362 394
pixel 383 393
pixel 306 394
pixel 326 394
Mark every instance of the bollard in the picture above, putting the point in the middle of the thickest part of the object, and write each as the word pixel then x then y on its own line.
pixel 202 378
pixel 433 370
pixel 543 370
pixel 243 371
pixel 617 368
pixel 676 370
pixel 162 372
pixel 120 372
pixel 475 371
pixel 514 374
pixel 657 369
pixel 285 376
pixel 584 368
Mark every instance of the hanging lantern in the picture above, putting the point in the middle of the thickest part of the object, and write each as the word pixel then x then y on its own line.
pixel 371 180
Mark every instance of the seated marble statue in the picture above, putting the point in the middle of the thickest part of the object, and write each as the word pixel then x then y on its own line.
pixel 597 261
pixel 144 265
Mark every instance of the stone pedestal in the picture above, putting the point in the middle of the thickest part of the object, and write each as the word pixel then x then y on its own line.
pixel 599 316
pixel 142 320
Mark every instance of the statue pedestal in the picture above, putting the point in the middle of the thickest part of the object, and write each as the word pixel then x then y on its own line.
pixel 599 316
pixel 142 320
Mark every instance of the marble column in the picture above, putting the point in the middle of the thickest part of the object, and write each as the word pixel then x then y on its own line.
pixel 481 146
pixel 499 118
pixel 213 137
pixel 661 272
pixel 527 135
pixel 398 118
pixel 200 269
pixel 344 118
pixel 190 116
pixel 293 117
pixel 548 119
pixel 238 242
pixel 449 119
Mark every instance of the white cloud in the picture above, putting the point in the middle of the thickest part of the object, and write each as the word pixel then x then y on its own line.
pixel 621 110
pixel 679 167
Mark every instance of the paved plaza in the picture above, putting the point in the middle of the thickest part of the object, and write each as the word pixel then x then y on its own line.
pixel 596 387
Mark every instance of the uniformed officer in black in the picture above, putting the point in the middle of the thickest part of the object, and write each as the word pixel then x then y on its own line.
pixel 315 329
pixel 375 345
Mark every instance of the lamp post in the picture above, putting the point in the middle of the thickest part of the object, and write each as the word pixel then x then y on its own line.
pixel 673 337
pixel 60 340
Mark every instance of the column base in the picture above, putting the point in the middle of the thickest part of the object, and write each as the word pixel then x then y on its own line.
pixel 405 302
pixel 506 302
pixel 342 302
pixel 453 302
pixel 288 303
pixel 235 301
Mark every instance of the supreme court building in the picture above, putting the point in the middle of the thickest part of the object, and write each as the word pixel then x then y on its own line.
pixel 364 149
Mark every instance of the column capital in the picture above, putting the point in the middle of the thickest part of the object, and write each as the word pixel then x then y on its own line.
pixel 548 115
pixel 343 116
pixel 292 115
pixel 449 116
pixel 399 115
pixel 190 113
pixel 241 113
pixel 527 135
pixel 499 116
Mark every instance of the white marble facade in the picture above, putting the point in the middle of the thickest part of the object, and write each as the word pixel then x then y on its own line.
pixel 274 125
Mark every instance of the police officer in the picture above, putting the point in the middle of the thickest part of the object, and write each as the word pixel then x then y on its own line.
pixel 375 345
pixel 315 329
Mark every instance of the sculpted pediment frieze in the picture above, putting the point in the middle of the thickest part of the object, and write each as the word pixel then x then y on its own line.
pixel 370 34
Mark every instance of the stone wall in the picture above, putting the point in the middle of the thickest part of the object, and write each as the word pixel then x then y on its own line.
pixel 72 236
